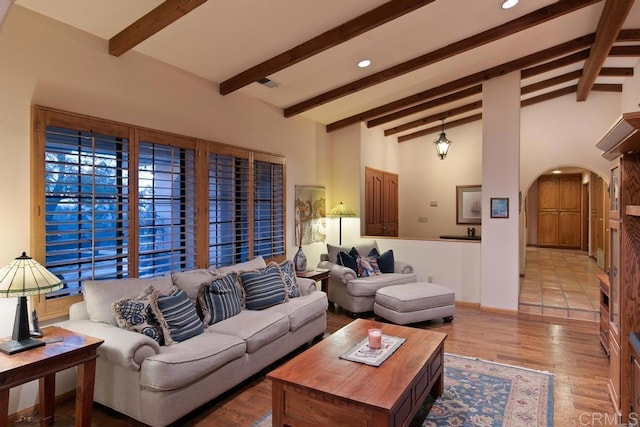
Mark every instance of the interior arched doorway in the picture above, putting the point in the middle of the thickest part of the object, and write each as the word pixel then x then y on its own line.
pixel 563 243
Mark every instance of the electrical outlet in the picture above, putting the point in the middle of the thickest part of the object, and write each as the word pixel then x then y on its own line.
pixel 423 219
pixel 433 204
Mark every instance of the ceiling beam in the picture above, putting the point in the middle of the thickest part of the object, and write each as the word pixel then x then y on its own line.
pixel 499 70
pixel 552 65
pixel 529 20
pixel 434 117
pixel 611 20
pixel 340 34
pixel 438 128
pixel 465 93
pixel 159 18
pixel 574 75
pixel 627 51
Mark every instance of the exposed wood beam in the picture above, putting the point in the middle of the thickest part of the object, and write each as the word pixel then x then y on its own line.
pixel 527 21
pixel 557 63
pixel 434 117
pixel 616 72
pixel 340 34
pixel 527 102
pixel 433 129
pixel 625 51
pixel 161 17
pixel 474 90
pixel 611 20
pixel 575 75
pixel 499 70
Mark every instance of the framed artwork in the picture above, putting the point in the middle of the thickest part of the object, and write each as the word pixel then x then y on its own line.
pixel 468 204
pixel 499 207
pixel 311 211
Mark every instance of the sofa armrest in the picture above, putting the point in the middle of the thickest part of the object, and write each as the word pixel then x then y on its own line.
pixel 78 311
pixel 402 267
pixel 307 286
pixel 121 347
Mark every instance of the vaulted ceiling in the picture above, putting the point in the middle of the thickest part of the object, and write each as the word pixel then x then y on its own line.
pixel 429 57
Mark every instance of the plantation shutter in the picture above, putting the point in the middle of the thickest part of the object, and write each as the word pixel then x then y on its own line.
pixel 228 208
pixel 86 204
pixel 268 217
pixel 166 208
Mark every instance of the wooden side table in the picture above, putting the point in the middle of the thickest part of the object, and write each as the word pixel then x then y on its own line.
pixel 319 275
pixel 64 349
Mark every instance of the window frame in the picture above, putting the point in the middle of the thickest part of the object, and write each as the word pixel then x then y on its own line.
pixel 42 117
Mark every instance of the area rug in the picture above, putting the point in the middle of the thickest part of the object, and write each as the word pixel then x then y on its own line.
pixel 482 393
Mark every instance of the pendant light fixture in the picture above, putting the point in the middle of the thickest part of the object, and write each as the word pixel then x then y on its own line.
pixel 442 144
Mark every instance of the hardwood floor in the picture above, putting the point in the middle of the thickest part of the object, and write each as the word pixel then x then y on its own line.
pixel 568 348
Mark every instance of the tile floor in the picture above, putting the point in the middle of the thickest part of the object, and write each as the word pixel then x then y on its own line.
pixel 560 283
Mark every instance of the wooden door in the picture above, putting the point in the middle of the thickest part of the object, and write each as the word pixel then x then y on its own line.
pixel 560 209
pixel 381 203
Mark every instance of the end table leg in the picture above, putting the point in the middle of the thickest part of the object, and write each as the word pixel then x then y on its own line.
pixel 47 393
pixel 4 407
pixel 85 382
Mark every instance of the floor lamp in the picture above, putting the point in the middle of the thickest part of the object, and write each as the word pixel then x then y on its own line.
pixel 341 211
pixel 21 278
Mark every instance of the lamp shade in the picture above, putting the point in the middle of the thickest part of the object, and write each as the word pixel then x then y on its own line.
pixel 24 276
pixel 442 145
pixel 341 211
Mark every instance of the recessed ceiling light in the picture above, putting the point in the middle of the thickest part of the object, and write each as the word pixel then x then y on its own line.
pixel 508 4
pixel 364 63
pixel 556 171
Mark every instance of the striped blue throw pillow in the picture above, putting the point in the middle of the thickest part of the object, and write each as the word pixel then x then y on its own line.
pixel 220 299
pixel 264 287
pixel 178 317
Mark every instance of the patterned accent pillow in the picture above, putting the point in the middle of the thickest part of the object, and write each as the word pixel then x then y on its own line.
pixel 367 266
pixel 219 299
pixel 290 279
pixel 177 316
pixel 264 287
pixel 136 314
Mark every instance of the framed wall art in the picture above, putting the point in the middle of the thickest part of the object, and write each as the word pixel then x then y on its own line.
pixel 499 207
pixel 468 204
pixel 311 212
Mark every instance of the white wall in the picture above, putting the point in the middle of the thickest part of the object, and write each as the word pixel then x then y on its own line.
pixel 425 178
pixel 48 63
pixel 631 93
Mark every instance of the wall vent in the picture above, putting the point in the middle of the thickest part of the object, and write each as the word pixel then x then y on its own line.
pixel 268 82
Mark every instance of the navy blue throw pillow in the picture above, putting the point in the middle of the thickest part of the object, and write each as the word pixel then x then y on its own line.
pixel 386 262
pixel 347 260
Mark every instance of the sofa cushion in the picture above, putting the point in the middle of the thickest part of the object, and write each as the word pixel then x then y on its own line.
pixel 184 363
pixel 303 309
pixel 220 299
pixel 101 294
pixel 137 314
pixel 254 264
pixel 177 316
pixel 290 279
pixel 191 281
pixel 332 252
pixel 367 286
pixel 263 288
pixel 257 328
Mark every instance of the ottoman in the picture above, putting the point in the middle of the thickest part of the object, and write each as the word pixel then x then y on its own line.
pixel 414 302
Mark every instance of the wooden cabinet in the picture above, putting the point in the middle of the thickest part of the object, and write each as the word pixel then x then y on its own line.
pixel 634 341
pixel 621 145
pixel 560 211
pixel 604 311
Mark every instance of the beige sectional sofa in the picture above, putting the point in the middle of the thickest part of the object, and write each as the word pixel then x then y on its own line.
pixel 354 293
pixel 158 384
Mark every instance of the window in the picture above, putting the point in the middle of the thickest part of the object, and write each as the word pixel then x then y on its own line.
pixel 118 201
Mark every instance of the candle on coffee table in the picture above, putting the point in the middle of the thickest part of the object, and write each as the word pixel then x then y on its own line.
pixel 375 338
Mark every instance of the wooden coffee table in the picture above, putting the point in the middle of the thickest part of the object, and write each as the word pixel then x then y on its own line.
pixel 318 388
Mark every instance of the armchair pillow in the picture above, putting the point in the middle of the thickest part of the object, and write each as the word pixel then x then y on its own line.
pixel 386 262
